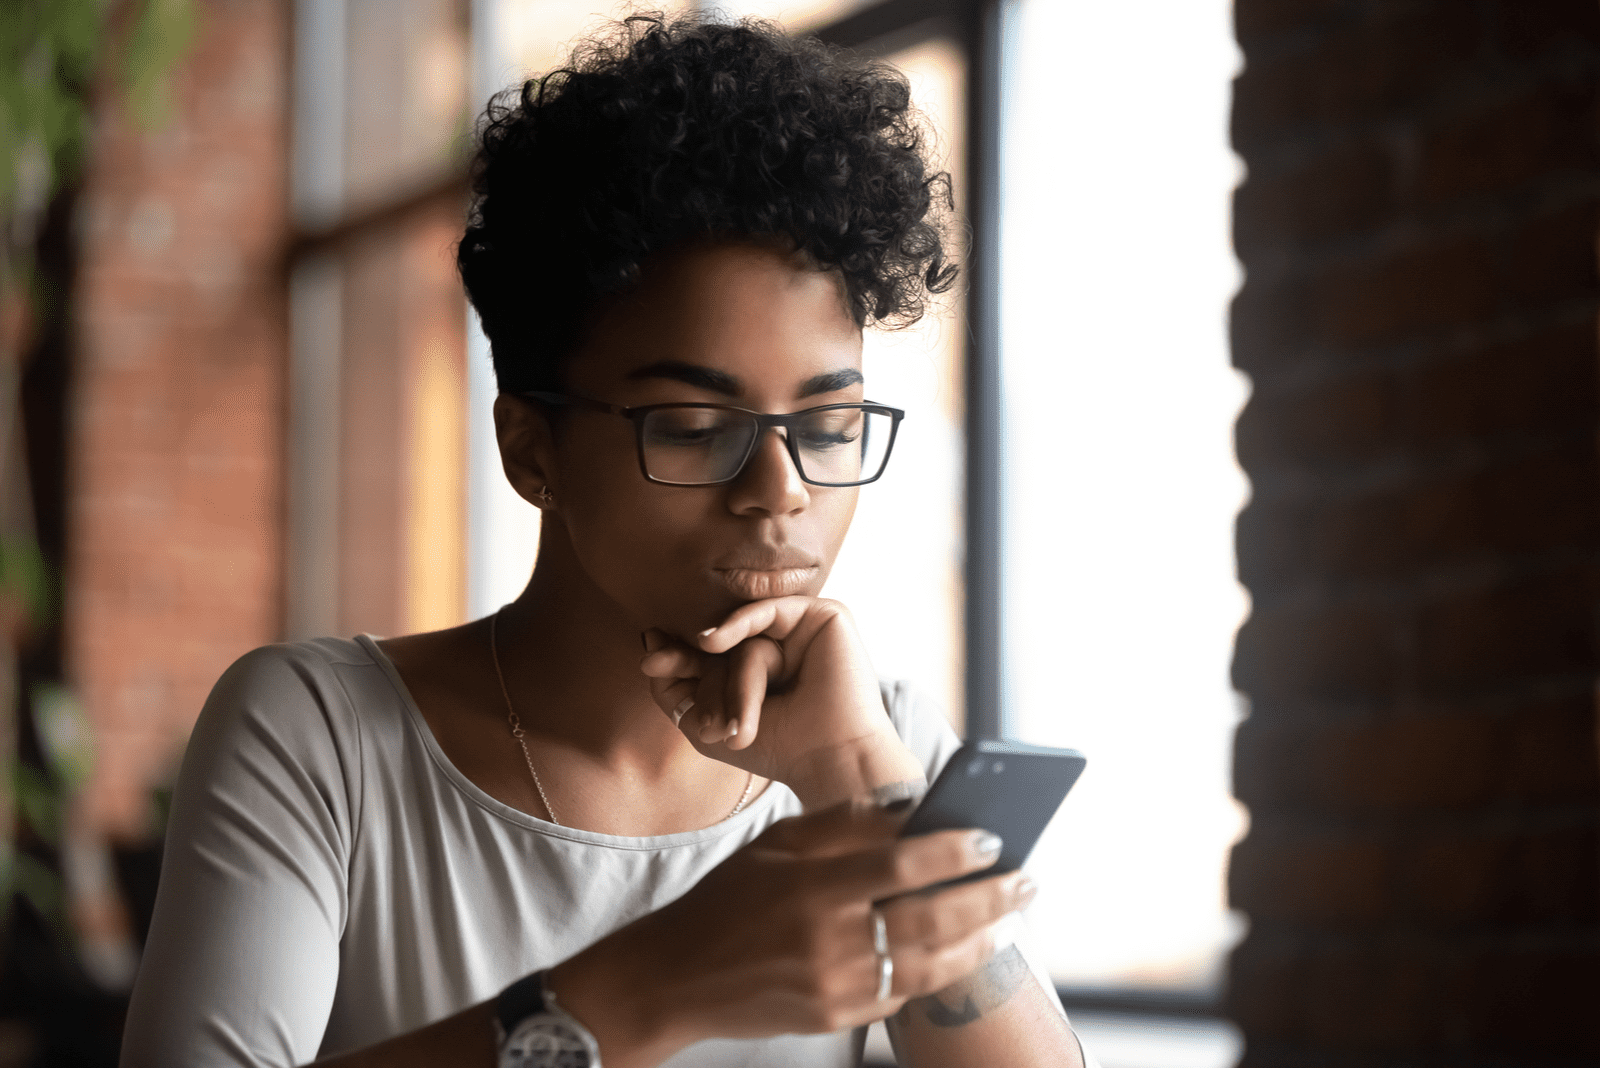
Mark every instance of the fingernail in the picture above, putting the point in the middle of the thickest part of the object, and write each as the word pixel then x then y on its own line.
pixel 651 639
pixel 733 729
pixel 708 632
pixel 683 707
pixel 986 846
pixel 1022 892
pixel 899 804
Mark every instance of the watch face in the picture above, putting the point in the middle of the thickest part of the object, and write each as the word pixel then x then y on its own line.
pixel 545 1042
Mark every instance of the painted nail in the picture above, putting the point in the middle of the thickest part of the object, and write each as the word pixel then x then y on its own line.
pixel 1022 892
pixel 683 707
pixel 986 846
pixel 733 729
pixel 708 632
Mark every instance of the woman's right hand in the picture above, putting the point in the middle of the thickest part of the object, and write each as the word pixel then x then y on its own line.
pixel 779 937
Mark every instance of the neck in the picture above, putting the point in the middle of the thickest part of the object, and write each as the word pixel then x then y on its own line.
pixel 570 655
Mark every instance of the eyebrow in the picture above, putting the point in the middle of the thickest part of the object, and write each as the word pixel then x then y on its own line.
pixel 729 386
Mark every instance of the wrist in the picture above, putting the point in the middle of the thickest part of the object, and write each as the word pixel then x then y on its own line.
pixel 610 989
pixel 866 767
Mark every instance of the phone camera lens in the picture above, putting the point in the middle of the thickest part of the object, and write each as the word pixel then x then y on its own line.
pixel 999 766
pixel 975 767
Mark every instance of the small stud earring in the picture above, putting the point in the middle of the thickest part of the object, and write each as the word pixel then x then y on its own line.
pixel 544 495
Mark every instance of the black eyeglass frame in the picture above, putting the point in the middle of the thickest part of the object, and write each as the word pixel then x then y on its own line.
pixel 763 420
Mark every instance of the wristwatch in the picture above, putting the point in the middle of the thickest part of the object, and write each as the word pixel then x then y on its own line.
pixel 535 1032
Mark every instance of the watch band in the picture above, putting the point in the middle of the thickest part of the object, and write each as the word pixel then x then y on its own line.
pixel 532 1030
pixel 520 1000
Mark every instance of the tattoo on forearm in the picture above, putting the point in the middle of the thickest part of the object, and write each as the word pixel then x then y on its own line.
pixel 899 794
pixel 983 991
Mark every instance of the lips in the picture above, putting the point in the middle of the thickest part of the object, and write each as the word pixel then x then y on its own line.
pixel 756 573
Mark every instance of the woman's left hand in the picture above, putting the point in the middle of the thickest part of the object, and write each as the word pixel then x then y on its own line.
pixel 782 688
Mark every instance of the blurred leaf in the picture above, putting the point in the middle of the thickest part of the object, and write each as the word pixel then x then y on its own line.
pixel 43 888
pixel 23 576
pixel 49 53
pixel 64 735
pixel 38 801
pixel 161 34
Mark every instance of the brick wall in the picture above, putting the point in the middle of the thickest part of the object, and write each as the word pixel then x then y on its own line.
pixel 175 474
pixel 1423 542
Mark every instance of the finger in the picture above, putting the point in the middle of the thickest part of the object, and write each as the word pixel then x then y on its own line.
pixel 755 664
pixel 905 865
pixel 931 922
pixel 837 830
pixel 711 715
pixel 918 972
pixel 779 617
pixel 667 657
pixel 675 697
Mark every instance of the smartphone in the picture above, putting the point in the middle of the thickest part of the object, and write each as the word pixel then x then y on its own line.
pixel 1007 788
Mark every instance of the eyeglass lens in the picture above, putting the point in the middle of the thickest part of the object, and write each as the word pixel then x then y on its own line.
pixel 695 446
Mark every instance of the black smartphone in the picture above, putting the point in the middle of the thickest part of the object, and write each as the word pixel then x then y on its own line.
pixel 1007 788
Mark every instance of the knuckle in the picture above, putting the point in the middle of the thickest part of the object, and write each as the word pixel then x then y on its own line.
pixel 902 866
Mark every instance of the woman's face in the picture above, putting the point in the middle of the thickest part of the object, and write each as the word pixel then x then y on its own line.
pixel 727 324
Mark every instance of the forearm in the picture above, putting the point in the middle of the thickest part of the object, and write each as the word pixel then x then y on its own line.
pixel 465 1040
pixel 880 767
pixel 597 987
pixel 997 1015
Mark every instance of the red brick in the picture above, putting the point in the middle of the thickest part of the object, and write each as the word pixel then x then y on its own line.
pixel 1533 754
pixel 1435 285
pixel 1348 419
pixel 1271 537
pixel 1529 1001
pixel 1266 992
pixel 1258 20
pixel 1346 652
pixel 1548 755
pixel 1362 71
pixel 1367 765
pixel 1326 879
pixel 1537 502
pixel 1528 31
pixel 1552 258
pixel 1268 322
pixel 1343 191
pixel 1508 634
pixel 1548 131
pixel 1505 878
pixel 1544 382
pixel 175 491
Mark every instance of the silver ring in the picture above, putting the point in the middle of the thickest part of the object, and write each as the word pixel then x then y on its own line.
pixel 880 946
pixel 683 707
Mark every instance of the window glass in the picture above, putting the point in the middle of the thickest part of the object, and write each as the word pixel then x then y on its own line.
pixel 900 570
pixel 405 94
pixel 1121 487
pixel 796 16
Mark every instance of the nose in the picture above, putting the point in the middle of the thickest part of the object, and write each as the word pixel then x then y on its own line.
pixel 769 483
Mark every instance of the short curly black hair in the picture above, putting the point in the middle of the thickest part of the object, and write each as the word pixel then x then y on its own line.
pixel 661 132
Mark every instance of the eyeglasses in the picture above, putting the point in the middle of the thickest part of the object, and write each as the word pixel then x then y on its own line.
pixel 709 444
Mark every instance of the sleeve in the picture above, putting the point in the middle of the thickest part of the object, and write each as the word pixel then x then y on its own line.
pixel 922 725
pixel 243 955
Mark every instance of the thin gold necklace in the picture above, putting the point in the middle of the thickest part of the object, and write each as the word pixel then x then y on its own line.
pixel 518 733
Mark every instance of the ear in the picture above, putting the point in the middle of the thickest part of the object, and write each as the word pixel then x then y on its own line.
pixel 527 448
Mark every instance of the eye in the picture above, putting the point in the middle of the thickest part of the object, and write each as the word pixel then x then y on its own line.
pixel 830 430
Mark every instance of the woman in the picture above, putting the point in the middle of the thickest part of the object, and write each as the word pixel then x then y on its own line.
pixel 528 840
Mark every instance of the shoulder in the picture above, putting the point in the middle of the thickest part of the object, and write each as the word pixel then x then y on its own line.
pixel 921 723
pixel 289 683
pixel 282 712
